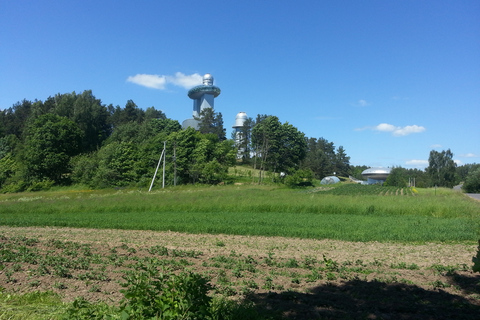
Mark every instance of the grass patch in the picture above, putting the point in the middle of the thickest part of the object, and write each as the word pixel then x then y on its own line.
pixel 33 306
pixel 347 212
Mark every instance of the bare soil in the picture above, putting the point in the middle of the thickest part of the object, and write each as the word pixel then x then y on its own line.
pixel 298 278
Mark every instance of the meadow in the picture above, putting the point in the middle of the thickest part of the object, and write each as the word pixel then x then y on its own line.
pixel 346 212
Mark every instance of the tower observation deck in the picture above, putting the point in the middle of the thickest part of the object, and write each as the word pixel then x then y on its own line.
pixel 203 97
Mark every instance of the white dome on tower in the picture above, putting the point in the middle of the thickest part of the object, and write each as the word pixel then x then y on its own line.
pixel 208 79
pixel 240 119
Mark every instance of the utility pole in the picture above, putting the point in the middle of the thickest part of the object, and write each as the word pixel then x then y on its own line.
pixel 164 157
pixel 158 166
pixel 174 163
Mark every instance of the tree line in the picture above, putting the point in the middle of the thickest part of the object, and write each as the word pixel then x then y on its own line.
pixel 442 171
pixel 76 139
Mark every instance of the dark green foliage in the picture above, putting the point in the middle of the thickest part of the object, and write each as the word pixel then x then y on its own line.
pixel 50 142
pixel 92 118
pixel 342 163
pixel 300 178
pixel 85 110
pixel 152 113
pixel 396 178
pixel 131 113
pixel 441 168
pixel 322 159
pixel 472 183
pixel 462 172
pixel 211 122
pixel 8 167
pixel 14 120
pixel 153 294
pixel 117 165
pixel 198 157
pixel 279 147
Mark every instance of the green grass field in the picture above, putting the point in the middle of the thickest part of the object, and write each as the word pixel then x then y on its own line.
pixel 347 212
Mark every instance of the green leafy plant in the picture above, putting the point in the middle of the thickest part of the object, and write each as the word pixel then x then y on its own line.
pixel 150 293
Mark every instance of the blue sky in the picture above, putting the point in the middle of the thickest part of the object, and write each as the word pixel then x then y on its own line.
pixel 387 80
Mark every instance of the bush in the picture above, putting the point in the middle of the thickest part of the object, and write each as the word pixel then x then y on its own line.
pixel 43 185
pixel 472 183
pixel 151 294
pixel 301 178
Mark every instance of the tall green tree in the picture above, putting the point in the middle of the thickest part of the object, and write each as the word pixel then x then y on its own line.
pixel 279 147
pixel 342 163
pixel 243 140
pixel 117 165
pixel 198 157
pixel 130 113
pixel 14 120
pixel 321 157
pixel 397 178
pixel 211 122
pixel 152 113
pixel 50 142
pixel 92 118
pixel 441 168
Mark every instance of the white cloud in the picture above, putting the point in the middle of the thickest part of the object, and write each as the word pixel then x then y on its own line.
pixel 403 131
pixel 186 81
pixel 363 103
pixel 385 127
pixel 417 163
pixel 397 131
pixel 436 146
pixel 469 155
pixel 458 162
pixel 149 80
pixel 160 82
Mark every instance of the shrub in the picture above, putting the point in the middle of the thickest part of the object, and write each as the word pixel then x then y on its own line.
pixel 301 178
pixel 472 183
pixel 44 185
pixel 151 293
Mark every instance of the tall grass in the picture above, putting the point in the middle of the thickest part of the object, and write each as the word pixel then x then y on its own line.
pixel 255 210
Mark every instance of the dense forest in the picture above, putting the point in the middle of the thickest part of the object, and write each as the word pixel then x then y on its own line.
pixel 76 139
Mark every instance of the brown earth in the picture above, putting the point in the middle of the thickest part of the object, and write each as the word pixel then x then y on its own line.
pixel 300 278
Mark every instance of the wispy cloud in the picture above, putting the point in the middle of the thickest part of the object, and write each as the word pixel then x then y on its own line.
pixel 160 82
pixel 186 81
pixel 149 80
pixel 469 155
pixel 395 130
pixel 363 103
pixel 417 163
pixel 436 146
